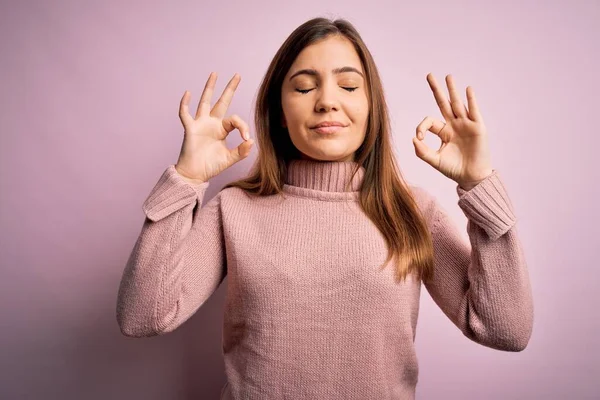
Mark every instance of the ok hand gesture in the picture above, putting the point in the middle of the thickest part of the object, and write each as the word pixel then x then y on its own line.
pixel 464 155
pixel 204 153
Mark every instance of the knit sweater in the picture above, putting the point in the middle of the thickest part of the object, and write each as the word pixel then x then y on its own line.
pixel 308 313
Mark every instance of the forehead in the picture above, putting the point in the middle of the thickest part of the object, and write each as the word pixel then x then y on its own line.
pixel 327 54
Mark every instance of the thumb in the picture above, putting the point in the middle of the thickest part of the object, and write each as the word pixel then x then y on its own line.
pixel 240 152
pixel 424 152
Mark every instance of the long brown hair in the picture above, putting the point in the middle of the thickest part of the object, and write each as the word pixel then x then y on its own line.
pixel 384 196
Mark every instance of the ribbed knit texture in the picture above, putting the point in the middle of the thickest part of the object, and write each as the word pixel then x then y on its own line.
pixel 308 314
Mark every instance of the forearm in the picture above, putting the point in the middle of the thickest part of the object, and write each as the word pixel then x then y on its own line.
pixel 167 256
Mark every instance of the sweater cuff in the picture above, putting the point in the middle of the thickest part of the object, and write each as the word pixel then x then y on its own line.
pixel 488 205
pixel 170 194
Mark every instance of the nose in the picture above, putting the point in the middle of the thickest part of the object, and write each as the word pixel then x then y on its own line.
pixel 327 99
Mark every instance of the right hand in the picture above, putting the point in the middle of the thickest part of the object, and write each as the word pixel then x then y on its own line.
pixel 204 153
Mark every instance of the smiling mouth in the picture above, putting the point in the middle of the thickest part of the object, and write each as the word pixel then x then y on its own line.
pixel 328 129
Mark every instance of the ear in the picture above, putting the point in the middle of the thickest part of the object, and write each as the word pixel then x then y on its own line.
pixel 283 122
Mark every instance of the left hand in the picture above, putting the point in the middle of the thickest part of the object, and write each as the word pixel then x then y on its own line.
pixel 464 155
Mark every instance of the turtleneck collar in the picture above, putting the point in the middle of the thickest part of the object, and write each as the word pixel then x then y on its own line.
pixel 306 176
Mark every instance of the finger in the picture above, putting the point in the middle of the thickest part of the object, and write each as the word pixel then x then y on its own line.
pixel 440 98
pixel 235 122
pixel 204 103
pixel 222 104
pixel 425 153
pixel 455 102
pixel 184 111
pixel 474 113
pixel 433 125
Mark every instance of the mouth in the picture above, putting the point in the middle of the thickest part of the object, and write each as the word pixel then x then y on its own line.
pixel 328 129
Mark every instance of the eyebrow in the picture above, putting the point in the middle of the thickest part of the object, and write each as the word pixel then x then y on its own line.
pixel 336 71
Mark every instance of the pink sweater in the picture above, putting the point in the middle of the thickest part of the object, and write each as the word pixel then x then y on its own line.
pixel 307 313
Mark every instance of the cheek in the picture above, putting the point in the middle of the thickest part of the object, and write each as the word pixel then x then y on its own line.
pixel 360 111
pixel 295 111
pixel 285 105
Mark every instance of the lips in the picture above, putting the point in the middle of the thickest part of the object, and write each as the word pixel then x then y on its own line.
pixel 325 124
pixel 328 129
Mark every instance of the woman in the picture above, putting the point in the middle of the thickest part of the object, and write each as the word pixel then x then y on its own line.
pixel 315 308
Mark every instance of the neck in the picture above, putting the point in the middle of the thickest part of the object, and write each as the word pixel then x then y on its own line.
pixel 325 176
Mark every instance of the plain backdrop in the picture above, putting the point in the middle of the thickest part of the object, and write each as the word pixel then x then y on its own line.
pixel 89 121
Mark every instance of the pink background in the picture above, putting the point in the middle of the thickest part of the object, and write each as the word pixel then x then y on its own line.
pixel 90 95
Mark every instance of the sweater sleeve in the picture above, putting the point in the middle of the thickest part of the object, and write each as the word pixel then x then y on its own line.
pixel 483 285
pixel 177 262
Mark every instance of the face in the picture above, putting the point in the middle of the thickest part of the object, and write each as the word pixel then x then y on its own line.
pixel 326 83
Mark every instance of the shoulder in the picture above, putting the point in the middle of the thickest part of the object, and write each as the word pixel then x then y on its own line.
pixel 233 192
pixel 236 197
pixel 426 202
pixel 421 195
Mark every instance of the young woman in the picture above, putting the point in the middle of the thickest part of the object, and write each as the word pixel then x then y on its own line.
pixel 324 243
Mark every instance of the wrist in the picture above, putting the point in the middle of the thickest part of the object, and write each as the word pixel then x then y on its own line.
pixel 194 181
pixel 471 184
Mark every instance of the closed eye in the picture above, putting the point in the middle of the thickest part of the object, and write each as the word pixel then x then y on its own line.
pixel 350 89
